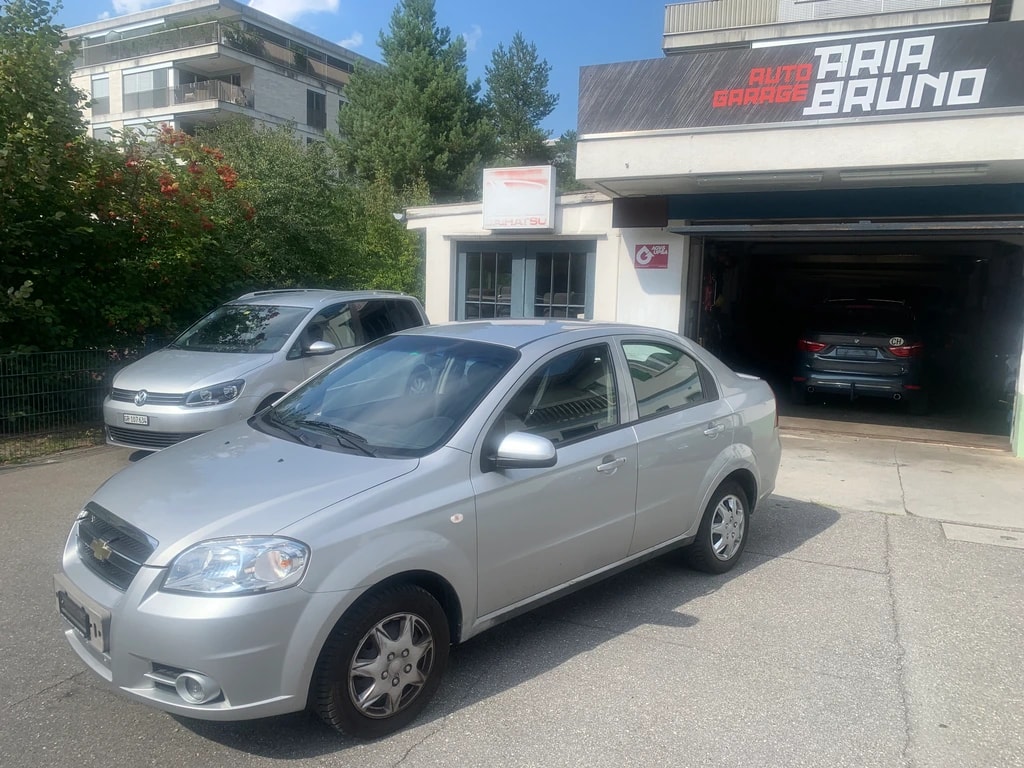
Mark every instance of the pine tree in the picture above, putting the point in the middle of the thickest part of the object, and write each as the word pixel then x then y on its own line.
pixel 518 101
pixel 417 119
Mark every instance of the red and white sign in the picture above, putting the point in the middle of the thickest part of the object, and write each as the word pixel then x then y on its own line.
pixel 519 198
pixel 651 256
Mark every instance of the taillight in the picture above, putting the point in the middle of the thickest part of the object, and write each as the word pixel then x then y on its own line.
pixel 907 350
pixel 810 346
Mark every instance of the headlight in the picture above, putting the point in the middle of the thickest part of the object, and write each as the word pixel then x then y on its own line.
pixel 215 395
pixel 238 566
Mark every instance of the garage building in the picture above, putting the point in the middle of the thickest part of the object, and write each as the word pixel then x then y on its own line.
pixel 780 155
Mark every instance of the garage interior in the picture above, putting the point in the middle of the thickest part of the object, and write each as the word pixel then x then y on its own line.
pixel 750 300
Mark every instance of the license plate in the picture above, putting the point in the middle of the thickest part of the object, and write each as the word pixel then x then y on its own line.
pixel 855 353
pixel 76 614
pixel 135 418
pixel 92 623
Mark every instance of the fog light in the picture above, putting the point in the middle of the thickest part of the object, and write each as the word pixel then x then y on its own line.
pixel 196 688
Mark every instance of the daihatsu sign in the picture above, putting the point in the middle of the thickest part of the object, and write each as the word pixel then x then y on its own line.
pixel 519 198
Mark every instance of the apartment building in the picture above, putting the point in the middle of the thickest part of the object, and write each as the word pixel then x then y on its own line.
pixel 199 62
pixel 783 153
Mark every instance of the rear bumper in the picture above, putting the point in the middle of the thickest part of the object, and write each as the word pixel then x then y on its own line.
pixel 854 386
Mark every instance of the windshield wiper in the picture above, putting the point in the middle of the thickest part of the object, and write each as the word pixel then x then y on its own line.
pixel 349 437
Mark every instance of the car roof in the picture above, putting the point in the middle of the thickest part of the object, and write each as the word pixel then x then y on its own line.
pixel 520 332
pixel 310 297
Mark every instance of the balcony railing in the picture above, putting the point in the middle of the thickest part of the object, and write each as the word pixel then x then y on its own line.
pixel 213 89
pixel 190 93
pixel 309 62
pixel 705 15
pixel 146 45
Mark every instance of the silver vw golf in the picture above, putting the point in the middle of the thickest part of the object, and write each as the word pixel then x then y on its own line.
pixel 328 551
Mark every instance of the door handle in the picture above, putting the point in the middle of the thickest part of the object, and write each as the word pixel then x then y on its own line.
pixel 714 431
pixel 608 467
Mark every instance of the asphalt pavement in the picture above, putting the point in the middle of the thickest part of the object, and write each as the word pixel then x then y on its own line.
pixel 875 620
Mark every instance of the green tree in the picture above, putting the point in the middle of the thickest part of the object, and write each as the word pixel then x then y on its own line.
pixel 42 151
pixel 298 235
pixel 418 119
pixel 564 160
pixel 387 254
pixel 518 100
pixel 164 216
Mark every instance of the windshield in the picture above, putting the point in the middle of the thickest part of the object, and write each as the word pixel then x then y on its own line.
pixel 253 328
pixel 403 396
pixel 863 317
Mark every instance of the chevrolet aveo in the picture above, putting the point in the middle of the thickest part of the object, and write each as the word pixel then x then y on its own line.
pixel 328 551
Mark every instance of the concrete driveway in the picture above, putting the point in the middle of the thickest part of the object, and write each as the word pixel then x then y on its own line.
pixel 856 632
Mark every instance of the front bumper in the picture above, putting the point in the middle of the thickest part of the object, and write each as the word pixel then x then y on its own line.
pixel 260 649
pixel 168 424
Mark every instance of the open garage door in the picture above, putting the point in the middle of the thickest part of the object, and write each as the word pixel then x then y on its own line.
pixel 761 291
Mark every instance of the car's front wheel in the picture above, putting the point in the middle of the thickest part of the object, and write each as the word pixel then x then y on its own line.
pixel 722 535
pixel 382 663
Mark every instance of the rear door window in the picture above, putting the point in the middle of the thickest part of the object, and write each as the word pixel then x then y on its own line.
pixel 665 378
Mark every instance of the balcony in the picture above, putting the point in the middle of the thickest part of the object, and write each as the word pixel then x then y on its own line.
pixel 247 40
pixel 213 90
pixel 191 93
pixel 724 23
pixel 165 40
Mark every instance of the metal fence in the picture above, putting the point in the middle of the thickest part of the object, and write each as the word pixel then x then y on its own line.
pixel 53 401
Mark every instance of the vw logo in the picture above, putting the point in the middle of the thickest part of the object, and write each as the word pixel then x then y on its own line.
pixel 140 397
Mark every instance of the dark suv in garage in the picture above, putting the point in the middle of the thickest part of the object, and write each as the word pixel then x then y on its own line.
pixel 862 348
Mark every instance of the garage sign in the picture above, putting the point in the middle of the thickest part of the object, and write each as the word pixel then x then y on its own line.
pixel 651 256
pixel 884 76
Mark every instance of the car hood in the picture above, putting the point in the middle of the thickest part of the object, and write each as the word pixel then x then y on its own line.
pixel 182 370
pixel 235 481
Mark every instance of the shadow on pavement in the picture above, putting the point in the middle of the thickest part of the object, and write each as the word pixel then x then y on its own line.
pixel 654 593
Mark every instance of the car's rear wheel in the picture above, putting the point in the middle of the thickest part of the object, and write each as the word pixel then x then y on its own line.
pixel 722 535
pixel 382 663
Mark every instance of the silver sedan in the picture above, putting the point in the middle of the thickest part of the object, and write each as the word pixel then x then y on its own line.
pixel 328 551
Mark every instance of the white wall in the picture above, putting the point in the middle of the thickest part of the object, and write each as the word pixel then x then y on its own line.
pixel 621 292
pixel 994 139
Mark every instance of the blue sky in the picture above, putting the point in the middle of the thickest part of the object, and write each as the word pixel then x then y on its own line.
pixel 568 33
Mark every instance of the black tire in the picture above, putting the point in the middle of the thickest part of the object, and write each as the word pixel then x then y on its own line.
pixel 391 613
pixel 723 531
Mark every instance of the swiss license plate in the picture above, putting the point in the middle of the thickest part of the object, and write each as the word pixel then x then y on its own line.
pixel 76 614
pixel 136 418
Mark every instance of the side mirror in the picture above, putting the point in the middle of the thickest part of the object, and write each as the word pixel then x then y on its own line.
pixel 320 348
pixel 521 450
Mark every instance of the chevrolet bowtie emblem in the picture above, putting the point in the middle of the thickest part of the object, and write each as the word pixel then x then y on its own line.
pixel 101 550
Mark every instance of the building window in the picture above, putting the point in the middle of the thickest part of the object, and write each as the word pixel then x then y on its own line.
pixel 102 132
pixel 525 280
pixel 561 284
pixel 145 90
pixel 316 110
pixel 488 283
pixel 101 95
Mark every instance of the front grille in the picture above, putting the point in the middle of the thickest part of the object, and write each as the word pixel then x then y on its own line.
pixel 138 438
pixel 110 547
pixel 152 398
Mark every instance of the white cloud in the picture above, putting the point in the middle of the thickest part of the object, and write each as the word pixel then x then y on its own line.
pixel 289 10
pixel 472 37
pixel 122 7
pixel 355 40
